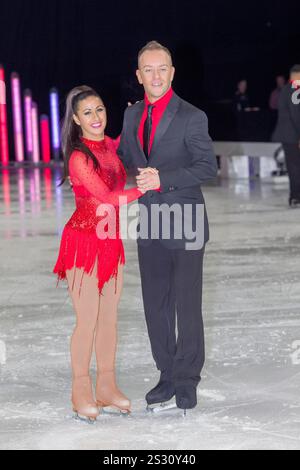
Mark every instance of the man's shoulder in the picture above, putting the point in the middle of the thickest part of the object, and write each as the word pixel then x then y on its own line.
pixel 191 110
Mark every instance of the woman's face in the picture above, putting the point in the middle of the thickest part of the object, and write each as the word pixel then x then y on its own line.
pixel 91 117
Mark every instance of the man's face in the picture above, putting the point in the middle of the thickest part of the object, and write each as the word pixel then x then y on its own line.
pixel 155 73
pixel 295 79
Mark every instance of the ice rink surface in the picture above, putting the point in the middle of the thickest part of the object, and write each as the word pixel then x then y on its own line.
pixel 249 395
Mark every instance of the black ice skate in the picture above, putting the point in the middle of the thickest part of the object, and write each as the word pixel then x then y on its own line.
pixel 294 203
pixel 159 397
pixel 186 397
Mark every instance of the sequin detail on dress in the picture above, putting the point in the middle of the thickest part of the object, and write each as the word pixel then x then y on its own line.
pixel 80 246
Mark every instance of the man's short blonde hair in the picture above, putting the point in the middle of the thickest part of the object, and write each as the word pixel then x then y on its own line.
pixel 154 46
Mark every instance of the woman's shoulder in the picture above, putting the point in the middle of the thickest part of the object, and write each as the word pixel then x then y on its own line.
pixel 113 143
pixel 78 155
pixel 77 160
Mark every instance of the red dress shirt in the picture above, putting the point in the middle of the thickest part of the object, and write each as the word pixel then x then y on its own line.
pixel 157 113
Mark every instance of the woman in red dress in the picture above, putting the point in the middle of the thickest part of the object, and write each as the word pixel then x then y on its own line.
pixel 91 263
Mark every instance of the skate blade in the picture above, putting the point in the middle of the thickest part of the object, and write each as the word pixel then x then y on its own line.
pixel 114 411
pixel 85 419
pixel 162 407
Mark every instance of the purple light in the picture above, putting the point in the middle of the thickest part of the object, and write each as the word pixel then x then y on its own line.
pixel 28 122
pixel 35 133
pixel 17 117
pixel 54 107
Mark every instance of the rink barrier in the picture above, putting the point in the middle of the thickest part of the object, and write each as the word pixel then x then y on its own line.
pixel 246 160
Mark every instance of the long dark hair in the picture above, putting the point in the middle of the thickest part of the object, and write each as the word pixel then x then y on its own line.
pixel 71 132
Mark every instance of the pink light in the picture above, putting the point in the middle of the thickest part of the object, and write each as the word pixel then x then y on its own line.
pixel 4 152
pixel 28 122
pixel 35 133
pixel 21 190
pixel 48 187
pixel 45 138
pixel 17 117
pixel 6 190
pixel 37 184
pixel 35 191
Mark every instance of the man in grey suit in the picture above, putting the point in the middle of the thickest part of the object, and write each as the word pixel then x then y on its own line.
pixel 166 141
pixel 287 131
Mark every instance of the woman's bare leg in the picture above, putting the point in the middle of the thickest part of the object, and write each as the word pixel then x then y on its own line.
pixel 84 292
pixel 86 306
pixel 106 331
pixel 107 392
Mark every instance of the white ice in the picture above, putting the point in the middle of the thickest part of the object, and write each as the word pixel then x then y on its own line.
pixel 249 394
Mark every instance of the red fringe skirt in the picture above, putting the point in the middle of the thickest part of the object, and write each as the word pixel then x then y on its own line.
pixel 83 249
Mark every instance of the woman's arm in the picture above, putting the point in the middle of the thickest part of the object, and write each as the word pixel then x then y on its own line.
pixel 83 170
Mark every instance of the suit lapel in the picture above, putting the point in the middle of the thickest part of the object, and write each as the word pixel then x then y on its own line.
pixel 137 120
pixel 162 128
pixel 165 122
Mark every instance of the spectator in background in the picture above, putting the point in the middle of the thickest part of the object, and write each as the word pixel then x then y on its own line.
pixel 287 132
pixel 241 99
pixel 245 121
pixel 274 96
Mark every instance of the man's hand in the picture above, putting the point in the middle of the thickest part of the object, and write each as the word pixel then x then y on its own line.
pixel 130 104
pixel 148 179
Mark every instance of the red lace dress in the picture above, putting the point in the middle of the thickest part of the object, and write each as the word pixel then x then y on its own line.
pixel 80 244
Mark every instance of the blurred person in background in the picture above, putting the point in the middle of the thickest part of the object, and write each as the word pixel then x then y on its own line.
pixel 287 132
pixel 274 96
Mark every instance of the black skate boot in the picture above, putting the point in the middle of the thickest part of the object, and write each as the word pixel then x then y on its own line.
pixel 158 397
pixel 186 397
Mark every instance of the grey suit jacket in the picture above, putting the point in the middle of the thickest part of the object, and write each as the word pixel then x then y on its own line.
pixel 182 151
pixel 288 125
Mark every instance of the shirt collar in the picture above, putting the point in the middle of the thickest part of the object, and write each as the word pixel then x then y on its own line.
pixel 162 102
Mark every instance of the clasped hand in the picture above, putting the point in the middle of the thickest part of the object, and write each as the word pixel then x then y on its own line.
pixel 148 179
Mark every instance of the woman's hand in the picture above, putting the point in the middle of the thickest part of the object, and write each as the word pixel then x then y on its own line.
pixel 148 179
pixel 148 169
pixel 143 191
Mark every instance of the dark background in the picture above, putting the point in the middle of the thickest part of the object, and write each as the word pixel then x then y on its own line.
pixel 214 44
